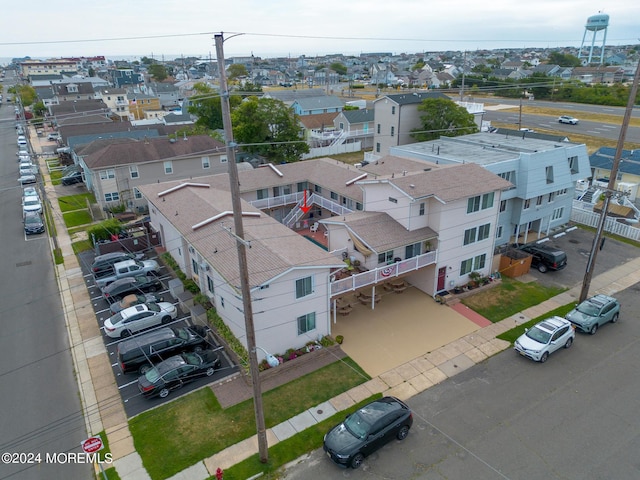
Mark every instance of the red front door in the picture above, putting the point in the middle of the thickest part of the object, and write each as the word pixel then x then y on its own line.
pixel 442 275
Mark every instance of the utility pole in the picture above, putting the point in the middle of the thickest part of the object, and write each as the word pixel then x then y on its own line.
pixel 464 62
pixel 263 448
pixel 586 282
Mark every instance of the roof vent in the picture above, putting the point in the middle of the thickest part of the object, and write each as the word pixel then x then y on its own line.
pixel 172 140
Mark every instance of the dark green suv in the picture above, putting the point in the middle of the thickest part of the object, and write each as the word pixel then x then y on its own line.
pixel 545 257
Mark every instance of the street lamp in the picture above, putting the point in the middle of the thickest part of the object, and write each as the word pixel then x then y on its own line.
pixel 271 360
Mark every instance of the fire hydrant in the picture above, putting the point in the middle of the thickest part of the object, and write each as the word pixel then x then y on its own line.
pixel 219 474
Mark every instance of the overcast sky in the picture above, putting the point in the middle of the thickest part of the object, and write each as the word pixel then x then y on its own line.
pixel 272 28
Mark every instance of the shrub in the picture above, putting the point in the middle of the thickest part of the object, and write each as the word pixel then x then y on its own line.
pixel 104 229
pixel 191 286
pixel 225 332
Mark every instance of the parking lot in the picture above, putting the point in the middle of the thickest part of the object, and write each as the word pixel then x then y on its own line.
pixel 134 403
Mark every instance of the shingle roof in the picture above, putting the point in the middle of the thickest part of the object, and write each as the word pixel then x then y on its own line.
pixel 409 98
pixel 275 249
pixel 313 103
pixel 359 116
pixel 318 120
pixel 629 160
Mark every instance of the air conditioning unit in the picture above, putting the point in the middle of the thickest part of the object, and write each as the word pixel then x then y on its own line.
pixel 205 267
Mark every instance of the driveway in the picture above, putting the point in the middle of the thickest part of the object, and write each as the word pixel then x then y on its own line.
pixel 403 326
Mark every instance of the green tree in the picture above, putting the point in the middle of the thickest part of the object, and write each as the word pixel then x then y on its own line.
pixel 564 60
pixel 26 93
pixel 443 117
pixel 270 128
pixel 39 109
pixel 206 105
pixel 158 72
pixel 147 61
pixel 339 68
pixel 236 71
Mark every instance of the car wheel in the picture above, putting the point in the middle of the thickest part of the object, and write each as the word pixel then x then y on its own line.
pixel 542 268
pixel 544 357
pixel 569 342
pixel 144 369
pixel 615 318
pixel 125 333
pixel 402 433
pixel 166 319
pixel 164 393
pixel 210 371
pixel 152 288
pixel 198 349
pixel 594 329
pixel 357 460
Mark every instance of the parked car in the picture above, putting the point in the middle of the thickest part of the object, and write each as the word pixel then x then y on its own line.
pixel 568 119
pixel 594 312
pixel 71 178
pixel 33 223
pixel 128 268
pixel 139 354
pixel 125 286
pixel 27 168
pixel 31 204
pixel 53 136
pixel 135 299
pixel 545 257
pixel 30 192
pixel 22 140
pixel 140 317
pixel 544 338
pixel 175 371
pixel 25 179
pixel 366 430
pixel 107 260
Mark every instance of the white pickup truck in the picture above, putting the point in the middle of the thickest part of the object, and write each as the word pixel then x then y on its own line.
pixel 128 268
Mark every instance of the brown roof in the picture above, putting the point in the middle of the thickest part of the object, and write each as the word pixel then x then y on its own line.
pixel 318 120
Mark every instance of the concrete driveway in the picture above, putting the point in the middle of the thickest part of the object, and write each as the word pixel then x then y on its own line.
pixel 401 327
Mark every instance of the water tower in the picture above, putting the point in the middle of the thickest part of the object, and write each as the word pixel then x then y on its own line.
pixel 595 23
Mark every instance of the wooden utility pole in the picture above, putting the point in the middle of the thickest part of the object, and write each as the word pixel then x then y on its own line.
pixel 263 448
pixel 611 187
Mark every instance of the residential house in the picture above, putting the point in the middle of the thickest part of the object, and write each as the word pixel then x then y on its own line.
pixel 126 77
pixel 544 174
pixel 114 168
pixel 395 116
pixel 34 69
pixel 143 106
pixel 117 101
pixel 435 227
pixel 357 125
pixel 290 96
pixel 167 93
pixel 598 74
pixel 315 105
pixel 628 177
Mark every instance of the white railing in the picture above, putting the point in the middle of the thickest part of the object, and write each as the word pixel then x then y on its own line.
pixel 611 225
pixel 298 199
pixel 278 201
pixel 381 274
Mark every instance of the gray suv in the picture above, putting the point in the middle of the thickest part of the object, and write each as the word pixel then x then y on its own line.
pixel 545 257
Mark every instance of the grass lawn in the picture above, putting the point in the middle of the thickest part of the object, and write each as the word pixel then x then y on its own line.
pixel 55 177
pixel 509 298
pixel 514 333
pixel 81 246
pixel 177 435
pixel 75 202
pixel 79 217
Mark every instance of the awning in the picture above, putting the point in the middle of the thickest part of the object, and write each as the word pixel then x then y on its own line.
pixel 359 246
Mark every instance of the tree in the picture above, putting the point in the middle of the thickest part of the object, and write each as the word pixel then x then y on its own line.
pixel 564 60
pixel 443 117
pixel 270 128
pixel 39 109
pixel 158 72
pixel 339 68
pixel 236 71
pixel 206 105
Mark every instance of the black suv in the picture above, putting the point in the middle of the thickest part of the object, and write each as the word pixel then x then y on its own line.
pixel 138 354
pixel 545 257
pixel 106 261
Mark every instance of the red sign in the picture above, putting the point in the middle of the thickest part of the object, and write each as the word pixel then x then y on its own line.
pixel 92 444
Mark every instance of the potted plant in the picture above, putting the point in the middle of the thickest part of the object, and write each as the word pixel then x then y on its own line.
pixel 474 279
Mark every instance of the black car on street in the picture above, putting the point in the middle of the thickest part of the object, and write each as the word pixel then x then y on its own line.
pixel 33 223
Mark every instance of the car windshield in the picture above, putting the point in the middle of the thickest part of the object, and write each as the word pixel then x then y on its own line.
pixel 152 375
pixel 117 318
pixel 588 308
pixel 192 358
pixel 181 333
pixel 32 220
pixel 357 426
pixel 153 307
pixel 539 335
pixel 30 203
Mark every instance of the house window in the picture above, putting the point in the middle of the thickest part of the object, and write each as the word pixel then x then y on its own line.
pixel 422 206
pixel 304 287
pixel 194 266
pixel 262 193
pixel 393 200
pixel 487 200
pixel 393 131
pixel 223 159
pixel 209 284
pixel 573 164
pixel 111 197
pixel 168 167
pixel 385 257
pixel 306 323
pixel 473 204
pixel 317 188
pixel 557 213
pixel 499 231
pixel 552 195
pixel 334 196
pixel 503 205
pixel 133 171
pixel 483 231
pixel 378 128
pixel 358 206
pixel 107 174
pixel 508 176
pixel 466 266
pixel 549 174
pixel 136 193
pixel 411 251
pixel 341 125
pixel 527 204
pixel 480 202
pixel 469 236
pixel 377 147
pixel 539 200
pixel 479 262
pixel 206 163
pixel 393 109
pixel 302 186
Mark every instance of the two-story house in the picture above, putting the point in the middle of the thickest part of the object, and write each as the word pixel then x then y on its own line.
pixel 315 105
pixel 544 174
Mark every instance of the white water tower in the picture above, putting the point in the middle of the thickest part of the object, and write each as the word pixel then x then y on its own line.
pixel 595 24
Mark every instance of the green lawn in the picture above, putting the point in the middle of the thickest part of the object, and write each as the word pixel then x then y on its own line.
pixel 509 298
pixel 514 333
pixel 79 217
pixel 55 177
pixel 75 202
pixel 177 435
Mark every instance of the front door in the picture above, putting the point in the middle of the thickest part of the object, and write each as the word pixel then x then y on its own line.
pixel 442 275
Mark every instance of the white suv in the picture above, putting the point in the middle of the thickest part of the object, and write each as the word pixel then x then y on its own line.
pixel 31 204
pixel 568 119
pixel 544 338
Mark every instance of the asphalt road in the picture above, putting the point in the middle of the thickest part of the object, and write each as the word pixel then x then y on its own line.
pixel 574 417
pixel 41 411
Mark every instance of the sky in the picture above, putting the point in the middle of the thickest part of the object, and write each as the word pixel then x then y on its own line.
pixel 166 29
